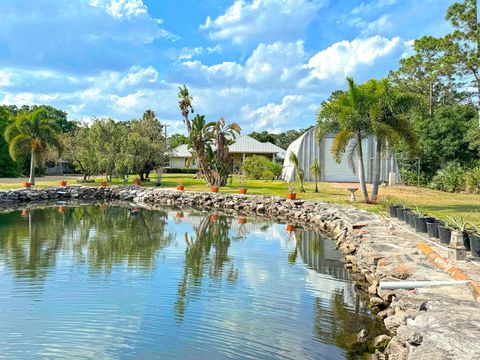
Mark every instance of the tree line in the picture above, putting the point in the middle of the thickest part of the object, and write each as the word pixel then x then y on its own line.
pixel 35 135
pixel 426 111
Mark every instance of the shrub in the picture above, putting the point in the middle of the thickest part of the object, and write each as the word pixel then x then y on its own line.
pixel 410 177
pixel 450 178
pixel 472 180
pixel 259 167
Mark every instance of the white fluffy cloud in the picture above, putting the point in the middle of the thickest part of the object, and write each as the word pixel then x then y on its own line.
pixel 263 20
pixel 121 8
pixel 346 58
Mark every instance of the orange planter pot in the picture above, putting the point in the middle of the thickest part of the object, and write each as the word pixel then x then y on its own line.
pixel 290 227
pixel 61 209
pixel 104 184
pixel 180 187
pixel 215 189
pixel 179 215
pixel 213 218
pixel 291 196
pixel 243 191
pixel 63 183
pixel 27 185
pixel 25 212
pixel 138 182
pixel 242 221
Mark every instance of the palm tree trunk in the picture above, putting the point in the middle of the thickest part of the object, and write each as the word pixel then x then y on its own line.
pixel 316 184
pixel 361 170
pixel 32 167
pixel 376 175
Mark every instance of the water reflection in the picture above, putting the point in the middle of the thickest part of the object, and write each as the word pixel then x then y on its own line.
pixel 211 286
pixel 99 239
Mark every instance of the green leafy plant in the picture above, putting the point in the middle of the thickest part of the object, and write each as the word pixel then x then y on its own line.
pixel 259 167
pixel 449 179
pixel 458 223
pixel 472 180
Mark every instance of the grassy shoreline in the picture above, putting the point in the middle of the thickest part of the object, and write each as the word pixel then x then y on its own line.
pixel 431 202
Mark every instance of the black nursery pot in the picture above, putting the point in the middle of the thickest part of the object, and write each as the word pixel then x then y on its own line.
pixel 393 210
pixel 420 225
pixel 411 220
pixel 444 234
pixel 400 213
pixel 475 245
pixel 432 229
pixel 466 240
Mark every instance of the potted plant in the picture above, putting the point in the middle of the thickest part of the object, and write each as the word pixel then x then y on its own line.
pixel 474 237
pixel 291 195
pixel 138 182
pixel 27 185
pixel 179 214
pixel 401 212
pixel 420 222
pixel 444 232
pixel 432 227
pixel 243 188
pixel 180 186
pixel 393 204
pixel 460 224
pixel 290 227
pixel 104 184
pixel 63 183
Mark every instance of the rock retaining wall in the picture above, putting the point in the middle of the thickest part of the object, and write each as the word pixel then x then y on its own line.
pixel 361 235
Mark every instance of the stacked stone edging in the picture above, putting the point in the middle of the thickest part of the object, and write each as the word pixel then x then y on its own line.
pixel 355 232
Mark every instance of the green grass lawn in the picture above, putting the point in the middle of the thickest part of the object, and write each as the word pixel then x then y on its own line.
pixel 431 202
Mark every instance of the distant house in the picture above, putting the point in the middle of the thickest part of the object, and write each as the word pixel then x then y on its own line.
pixel 242 148
pixel 307 148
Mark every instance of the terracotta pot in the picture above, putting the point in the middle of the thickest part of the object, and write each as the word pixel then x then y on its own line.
pixel 61 209
pixel 291 196
pixel 27 185
pixel 179 214
pixel 242 221
pixel 243 191
pixel 104 184
pixel 180 187
pixel 213 218
pixel 290 227
pixel 63 183
pixel 215 189
pixel 138 182
pixel 25 212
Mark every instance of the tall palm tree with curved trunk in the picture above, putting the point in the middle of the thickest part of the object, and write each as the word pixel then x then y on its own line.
pixel 32 132
pixel 185 103
pixel 348 115
pixel 389 121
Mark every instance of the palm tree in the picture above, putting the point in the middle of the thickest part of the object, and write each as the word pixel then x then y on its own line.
pixel 316 170
pixel 347 113
pixel 199 139
pixel 389 122
pixel 300 173
pixel 32 132
pixel 223 135
pixel 185 105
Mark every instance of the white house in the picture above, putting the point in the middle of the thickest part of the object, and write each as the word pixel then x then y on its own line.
pixel 308 148
pixel 243 147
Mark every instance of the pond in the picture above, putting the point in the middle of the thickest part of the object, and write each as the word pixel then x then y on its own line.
pixel 103 281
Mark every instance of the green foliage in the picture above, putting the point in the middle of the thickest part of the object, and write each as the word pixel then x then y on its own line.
pixel 259 167
pixel 8 167
pixel 472 180
pixel 177 139
pixel 411 177
pixel 449 178
pixel 282 140
pixel 442 139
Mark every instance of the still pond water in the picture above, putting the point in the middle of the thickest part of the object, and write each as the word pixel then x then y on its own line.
pixel 102 282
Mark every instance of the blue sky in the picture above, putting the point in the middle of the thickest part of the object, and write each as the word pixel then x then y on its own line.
pixel 266 64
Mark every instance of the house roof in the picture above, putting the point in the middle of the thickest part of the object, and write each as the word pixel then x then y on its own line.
pixel 247 144
pixel 243 144
pixel 181 151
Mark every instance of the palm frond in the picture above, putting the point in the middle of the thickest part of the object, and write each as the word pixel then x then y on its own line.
pixel 340 143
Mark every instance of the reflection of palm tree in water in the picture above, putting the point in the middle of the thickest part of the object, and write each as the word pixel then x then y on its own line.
pixel 99 239
pixel 213 232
